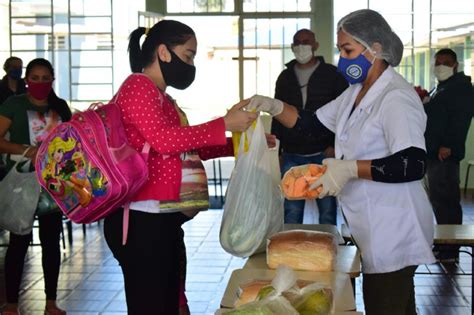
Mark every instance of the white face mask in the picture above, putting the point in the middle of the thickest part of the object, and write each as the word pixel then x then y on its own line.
pixel 442 72
pixel 303 53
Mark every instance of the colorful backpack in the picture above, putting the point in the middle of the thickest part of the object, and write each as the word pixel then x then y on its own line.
pixel 87 166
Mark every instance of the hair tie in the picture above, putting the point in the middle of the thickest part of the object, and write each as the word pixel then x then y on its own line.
pixel 147 29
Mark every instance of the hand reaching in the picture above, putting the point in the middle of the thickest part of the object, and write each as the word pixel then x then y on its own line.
pixel 31 154
pixel 237 119
pixel 266 104
pixel 271 140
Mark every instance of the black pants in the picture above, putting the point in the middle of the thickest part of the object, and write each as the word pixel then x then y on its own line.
pixel 49 234
pixel 150 260
pixel 445 195
pixel 391 293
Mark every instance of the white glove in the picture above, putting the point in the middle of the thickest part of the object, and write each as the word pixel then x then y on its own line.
pixel 265 104
pixel 338 173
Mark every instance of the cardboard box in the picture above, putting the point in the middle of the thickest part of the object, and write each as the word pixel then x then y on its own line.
pixel 222 311
pixel 338 282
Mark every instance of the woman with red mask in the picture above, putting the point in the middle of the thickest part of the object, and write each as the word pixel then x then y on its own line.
pixel 28 118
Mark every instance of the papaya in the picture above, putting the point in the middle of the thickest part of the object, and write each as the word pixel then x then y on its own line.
pixel 296 181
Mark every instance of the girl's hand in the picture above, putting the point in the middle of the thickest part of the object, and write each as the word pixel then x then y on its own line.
pixel 271 140
pixel 237 119
pixel 31 154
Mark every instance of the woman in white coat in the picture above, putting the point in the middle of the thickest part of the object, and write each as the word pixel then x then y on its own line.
pixel 379 125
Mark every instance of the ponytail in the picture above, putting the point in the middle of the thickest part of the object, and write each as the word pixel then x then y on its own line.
pixel 167 32
pixel 134 50
pixel 59 106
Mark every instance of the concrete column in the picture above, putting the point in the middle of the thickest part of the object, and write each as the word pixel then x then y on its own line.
pixel 323 26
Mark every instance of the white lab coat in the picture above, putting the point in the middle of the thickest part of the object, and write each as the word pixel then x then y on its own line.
pixel 392 224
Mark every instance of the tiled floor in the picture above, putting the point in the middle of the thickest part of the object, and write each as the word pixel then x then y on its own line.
pixel 91 281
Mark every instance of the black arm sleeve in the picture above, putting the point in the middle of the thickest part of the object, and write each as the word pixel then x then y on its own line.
pixel 404 166
pixel 308 125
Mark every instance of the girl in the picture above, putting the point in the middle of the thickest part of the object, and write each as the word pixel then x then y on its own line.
pixel 20 116
pixel 153 259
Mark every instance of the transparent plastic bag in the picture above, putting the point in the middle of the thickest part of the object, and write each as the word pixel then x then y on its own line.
pixel 19 198
pixel 315 299
pixel 296 181
pixel 254 204
pixel 272 305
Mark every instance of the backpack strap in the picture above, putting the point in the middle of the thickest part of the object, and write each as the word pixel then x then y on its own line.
pixel 126 208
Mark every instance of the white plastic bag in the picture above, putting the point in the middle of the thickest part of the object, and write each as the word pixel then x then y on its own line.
pixel 253 209
pixel 19 198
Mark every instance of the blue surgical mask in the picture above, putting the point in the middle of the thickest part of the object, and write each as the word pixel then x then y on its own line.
pixel 15 74
pixel 354 70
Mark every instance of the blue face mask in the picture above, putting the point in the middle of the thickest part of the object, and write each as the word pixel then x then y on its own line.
pixel 15 74
pixel 354 70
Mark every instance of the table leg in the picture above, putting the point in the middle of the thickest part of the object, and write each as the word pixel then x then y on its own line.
pixel 353 286
pixel 472 280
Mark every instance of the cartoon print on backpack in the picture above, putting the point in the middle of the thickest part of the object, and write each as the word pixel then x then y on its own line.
pixel 70 176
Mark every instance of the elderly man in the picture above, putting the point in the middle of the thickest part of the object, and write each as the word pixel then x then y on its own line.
pixel 307 83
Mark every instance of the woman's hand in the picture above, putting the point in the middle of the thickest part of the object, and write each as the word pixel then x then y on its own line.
pixel 271 140
pixel 237 119
pixel 443 153
pixel 337 174
pixel 266 104
pixel 31 154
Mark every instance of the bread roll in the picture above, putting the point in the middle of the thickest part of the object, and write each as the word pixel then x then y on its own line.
pixel 302 250
pixel 248 291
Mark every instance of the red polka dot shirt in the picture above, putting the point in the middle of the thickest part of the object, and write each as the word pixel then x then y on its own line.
pixel 149 115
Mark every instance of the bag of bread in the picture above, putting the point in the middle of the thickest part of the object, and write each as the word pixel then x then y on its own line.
pixel 296 181
pixel 302 250
pixel 254 204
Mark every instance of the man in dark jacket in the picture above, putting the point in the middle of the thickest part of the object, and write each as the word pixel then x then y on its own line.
pixel 449 112
pixel 307 83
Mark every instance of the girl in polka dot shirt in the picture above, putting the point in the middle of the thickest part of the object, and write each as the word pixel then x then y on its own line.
pixel 150 260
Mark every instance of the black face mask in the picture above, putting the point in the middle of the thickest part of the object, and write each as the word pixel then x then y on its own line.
pixel 177 73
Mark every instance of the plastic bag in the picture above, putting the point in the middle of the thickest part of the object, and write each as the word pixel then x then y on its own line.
pixel 20 193
pixel 286 296
pixel 254 204
pixel 315 299
pixel 296 181
pixel 308 298
pixel 273 305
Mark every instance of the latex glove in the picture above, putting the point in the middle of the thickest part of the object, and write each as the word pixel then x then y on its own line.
pixel 338 173
pixel 265 104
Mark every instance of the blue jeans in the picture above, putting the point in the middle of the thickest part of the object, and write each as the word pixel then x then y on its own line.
pixel 294 209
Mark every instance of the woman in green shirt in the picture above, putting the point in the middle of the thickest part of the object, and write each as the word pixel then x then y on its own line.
pixel 28 118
